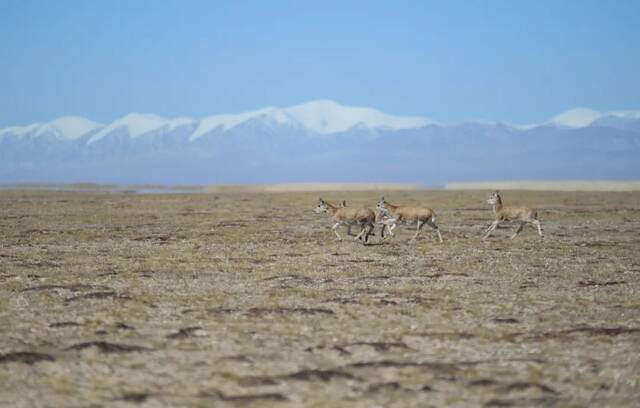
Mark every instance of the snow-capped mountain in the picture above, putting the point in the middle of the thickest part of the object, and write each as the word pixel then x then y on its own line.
pixel 319 140
pixel 137 124
pixel 583 117
pixel 65 128
pixel 318 117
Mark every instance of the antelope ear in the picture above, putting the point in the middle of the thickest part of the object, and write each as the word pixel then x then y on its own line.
pixel 382 198
pixel 320 200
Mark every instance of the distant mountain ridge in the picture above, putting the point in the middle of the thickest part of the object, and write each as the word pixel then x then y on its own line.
pixel 320 141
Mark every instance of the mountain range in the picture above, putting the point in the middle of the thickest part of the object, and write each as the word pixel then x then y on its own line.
pixel 320 141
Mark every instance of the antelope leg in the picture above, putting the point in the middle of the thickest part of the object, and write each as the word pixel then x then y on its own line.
pixel 490 229
pixel 369 228
pixel 418 228
pixel 520 227
pixel 334 228
pixel 433 225
pixel 537 224
pixel 393 226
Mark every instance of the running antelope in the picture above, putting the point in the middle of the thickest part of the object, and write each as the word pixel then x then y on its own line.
pixel 382 219
pixel 524 215
pixel 364 217
pixel 408 215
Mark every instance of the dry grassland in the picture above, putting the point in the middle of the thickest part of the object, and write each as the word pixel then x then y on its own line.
pixel 577 185
pixel 245 299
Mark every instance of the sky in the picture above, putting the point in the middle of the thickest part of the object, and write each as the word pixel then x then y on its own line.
pixel 515 61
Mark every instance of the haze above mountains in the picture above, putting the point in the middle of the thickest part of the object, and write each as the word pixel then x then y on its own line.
pixel 320 141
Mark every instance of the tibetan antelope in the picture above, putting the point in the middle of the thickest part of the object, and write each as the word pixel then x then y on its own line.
pixel 382 219
pixel 417 215
pixel 342 215
pixel 523 215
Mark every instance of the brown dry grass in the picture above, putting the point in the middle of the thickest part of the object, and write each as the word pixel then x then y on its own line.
pixel 240 299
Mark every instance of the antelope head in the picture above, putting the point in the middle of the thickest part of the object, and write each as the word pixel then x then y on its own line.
pixel 382 206
pixel 494 198
pixel 322 206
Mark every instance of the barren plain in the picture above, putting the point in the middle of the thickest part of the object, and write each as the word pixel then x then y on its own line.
pixel 245 299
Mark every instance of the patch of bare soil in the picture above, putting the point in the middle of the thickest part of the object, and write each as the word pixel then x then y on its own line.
pixel 106 347
pixel 25 357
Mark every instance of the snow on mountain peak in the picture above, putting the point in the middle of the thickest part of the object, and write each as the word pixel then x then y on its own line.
pixel 136 124
pixel 629 115
pixel 20 131
pixel 64 128
pixel 576 118
pixel 230 120
pixel 320 116
pixel 325 117
pixel 68 127
pixel 583 117
pixel 140 123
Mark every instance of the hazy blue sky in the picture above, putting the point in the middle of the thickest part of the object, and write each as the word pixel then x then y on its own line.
pixel 519 61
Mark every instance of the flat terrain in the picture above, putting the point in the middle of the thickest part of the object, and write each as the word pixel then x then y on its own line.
pixel 245 299
pixel 577 185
